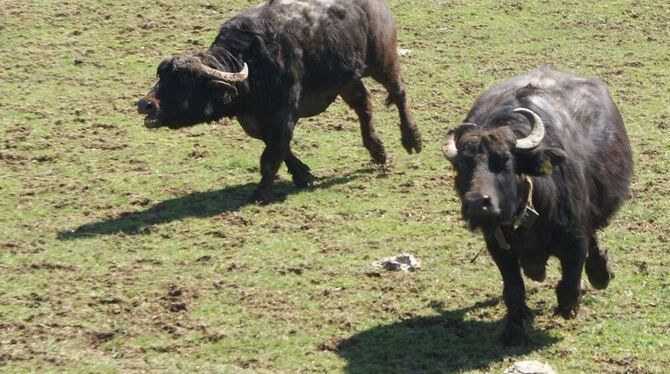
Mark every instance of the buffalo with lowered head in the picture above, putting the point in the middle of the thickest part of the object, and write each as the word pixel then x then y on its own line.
pixel 542 162
pixel 280 61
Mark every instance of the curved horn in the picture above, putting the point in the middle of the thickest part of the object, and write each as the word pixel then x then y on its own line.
pixel 226 76
pixel 449 149
pixel 536 134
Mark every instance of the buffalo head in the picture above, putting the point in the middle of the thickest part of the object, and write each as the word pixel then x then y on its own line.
pixel 490 163
pixel 190 89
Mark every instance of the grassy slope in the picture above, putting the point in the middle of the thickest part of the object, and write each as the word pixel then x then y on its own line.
pixel 288 287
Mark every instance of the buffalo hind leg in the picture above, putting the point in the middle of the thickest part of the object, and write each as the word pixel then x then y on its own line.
pixel 514 293
pixel 276 151
pixel 390 78
pixel 568 290
pixel 299 171
pixel 356 95
pixel 597 267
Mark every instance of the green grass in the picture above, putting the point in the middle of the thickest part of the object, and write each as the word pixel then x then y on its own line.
pixel 129 250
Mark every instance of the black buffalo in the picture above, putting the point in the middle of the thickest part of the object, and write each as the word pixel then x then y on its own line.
pixel 548 142
pixel 281 61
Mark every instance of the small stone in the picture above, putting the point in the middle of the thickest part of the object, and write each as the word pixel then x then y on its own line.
pixel 402 52
pixel 529 367
pixel 404 262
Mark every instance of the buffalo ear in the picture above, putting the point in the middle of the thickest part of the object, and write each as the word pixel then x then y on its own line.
pixel 542 161
pixel 224 90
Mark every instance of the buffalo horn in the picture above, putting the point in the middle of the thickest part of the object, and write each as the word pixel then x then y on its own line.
pixel 449 149
pixel 536 134
pixel 226 76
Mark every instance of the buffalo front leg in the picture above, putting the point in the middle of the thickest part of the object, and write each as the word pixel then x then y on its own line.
pixel 356 95
pixel 514 292
pixel 299 171
pixel 568 290
pixel 391 80
pixel 276 151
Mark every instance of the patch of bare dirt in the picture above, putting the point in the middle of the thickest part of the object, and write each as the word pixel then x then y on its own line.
pixel 13 159
pixel 50 266
pixel 99 338
pixel 175 300
pixel 331 344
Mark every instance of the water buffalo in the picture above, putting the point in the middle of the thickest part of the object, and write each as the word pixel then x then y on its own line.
pixel 542 162
pixel 280 61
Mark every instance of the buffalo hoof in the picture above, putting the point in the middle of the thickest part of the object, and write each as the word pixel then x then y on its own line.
pixel 411 141
pixel 567 312
pixel 514 335
pixel 598 271
pixel 303 180
pixel 568 300
pixel 378 158
pixel 376 150
pixel 262 195
pixel 567 308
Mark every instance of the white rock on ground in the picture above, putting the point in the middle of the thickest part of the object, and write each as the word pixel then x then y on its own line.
pixel 529 367
pixel 402 52
pixel 403 262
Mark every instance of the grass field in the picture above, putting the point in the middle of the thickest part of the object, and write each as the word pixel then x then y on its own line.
pixel 129 250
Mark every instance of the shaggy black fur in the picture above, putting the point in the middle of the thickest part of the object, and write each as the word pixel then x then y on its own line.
pixel 301 55
pixel 581 174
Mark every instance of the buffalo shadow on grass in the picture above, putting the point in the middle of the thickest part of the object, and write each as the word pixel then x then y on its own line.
pixel 445 343
pixel 196 204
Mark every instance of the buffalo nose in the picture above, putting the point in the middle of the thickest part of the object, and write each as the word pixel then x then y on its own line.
pixel 145 106
pixel 479 205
